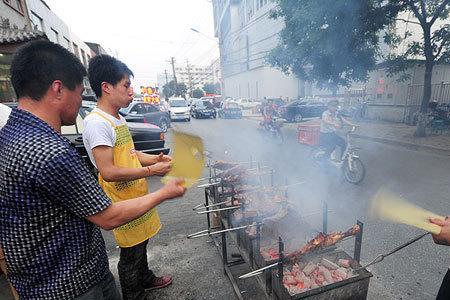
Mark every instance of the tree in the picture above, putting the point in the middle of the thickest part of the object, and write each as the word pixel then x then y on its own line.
pixel 334 42
pixel 329 42
pixel 210 88
pixel 197 93
pixel 434 45
pixel 171 89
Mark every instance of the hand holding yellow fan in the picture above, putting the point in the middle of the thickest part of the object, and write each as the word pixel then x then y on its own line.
pixel 188 159
pixel 387 206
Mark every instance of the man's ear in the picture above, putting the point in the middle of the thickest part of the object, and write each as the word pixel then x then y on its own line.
pixel 106 87
pixel 55 89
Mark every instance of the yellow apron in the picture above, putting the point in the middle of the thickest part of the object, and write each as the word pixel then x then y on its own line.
pixel 143 228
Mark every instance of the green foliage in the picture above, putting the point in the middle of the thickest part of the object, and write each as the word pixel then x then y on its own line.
pixel 197 93
pixel 171 89
pixel 329 42
pixel 212 88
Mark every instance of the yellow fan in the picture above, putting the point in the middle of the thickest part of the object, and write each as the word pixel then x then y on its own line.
pixel 188 159
pixel 387 206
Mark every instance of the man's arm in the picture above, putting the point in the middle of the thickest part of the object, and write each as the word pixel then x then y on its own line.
pixel 345 121
pixel 330 121
pixel 150 159
pixel 122 212
pixel 104 159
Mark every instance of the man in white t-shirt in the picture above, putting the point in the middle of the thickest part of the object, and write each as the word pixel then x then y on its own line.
pixel 4 114
pixel 123 171
pixel 329 124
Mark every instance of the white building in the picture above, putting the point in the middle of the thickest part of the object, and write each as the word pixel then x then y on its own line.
pixel 193 76
pixel 246 35
pixel 44 19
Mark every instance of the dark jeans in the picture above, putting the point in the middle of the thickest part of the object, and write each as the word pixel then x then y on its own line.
pixel 134 273
pixel 444 291
pixel 329 141
pixel 105 290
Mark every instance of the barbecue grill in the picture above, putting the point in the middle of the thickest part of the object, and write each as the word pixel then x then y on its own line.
pixel 254 232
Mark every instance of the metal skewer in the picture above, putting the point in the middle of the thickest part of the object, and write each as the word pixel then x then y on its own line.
pixel 259 271
pixel 215 210
pixel 208 233
pixel 209 184
pixel 213 205
pixel 381 257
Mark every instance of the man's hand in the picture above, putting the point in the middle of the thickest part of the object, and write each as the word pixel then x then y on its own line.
pixel 160 168
pixel 173 189
pixel 163 158
pixel 442 238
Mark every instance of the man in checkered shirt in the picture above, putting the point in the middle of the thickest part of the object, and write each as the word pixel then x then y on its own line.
pixel 50 205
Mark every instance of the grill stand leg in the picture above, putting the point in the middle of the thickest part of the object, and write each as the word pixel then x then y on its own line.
pixel 325 217
pixel 358 242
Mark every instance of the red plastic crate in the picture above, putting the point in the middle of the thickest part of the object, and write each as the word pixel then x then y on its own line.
pixel 309 134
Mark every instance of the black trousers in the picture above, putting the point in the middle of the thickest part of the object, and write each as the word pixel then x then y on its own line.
pixel 329 141
pixel 134 273
pixel 444 291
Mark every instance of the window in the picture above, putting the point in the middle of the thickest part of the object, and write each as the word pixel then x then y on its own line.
pixel 66 43
pixel 83 57
pixel 54 36
pixel 390 96
pixel 379 96
pixel 37 21
pixel 75 50
pixel 15 4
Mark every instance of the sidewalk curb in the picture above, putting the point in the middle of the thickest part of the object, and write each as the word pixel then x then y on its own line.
pixel 410 146
pixel 441 151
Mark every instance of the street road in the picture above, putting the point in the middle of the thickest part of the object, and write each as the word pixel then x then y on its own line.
pixel 414 272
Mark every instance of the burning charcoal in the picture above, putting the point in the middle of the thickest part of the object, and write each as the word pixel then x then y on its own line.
pixel 326 274
pixel 289 279
pixel 329 264
pixel 309 268
pixel 344 263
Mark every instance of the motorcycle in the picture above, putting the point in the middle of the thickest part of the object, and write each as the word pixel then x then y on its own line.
pixel 351 165
pixel 272 130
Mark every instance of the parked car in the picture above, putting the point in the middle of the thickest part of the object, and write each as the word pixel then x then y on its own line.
pixel 230 110
pixel 144 112
pixel 179 109
pixel 147 138
pixel 247 103
pixel 203 109
pixel 5 111
pixel 297 110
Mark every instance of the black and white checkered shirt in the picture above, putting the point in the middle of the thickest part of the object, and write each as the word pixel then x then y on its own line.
pixel 46 191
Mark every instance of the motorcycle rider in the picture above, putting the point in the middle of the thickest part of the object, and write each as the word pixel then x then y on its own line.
pixel 331 121
pixel 268 113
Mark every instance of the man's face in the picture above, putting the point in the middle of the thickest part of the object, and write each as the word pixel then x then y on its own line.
pixel 71 103
pixel 122 92
pixel 333 108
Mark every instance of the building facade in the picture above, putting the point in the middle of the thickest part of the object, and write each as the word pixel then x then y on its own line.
pixel 246 35
pixel 15 30
pixel 193 76
pixel 57 31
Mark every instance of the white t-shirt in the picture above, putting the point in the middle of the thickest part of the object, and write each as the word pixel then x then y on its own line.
pixel 325 127
pixel 4 114
pixel 99 132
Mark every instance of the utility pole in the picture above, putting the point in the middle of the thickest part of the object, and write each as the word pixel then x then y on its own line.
pixel 167 80
pixel 172 61
pixel 190 77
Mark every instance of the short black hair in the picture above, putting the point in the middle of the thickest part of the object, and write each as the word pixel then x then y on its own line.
pixel 37 64
pixel 105 68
